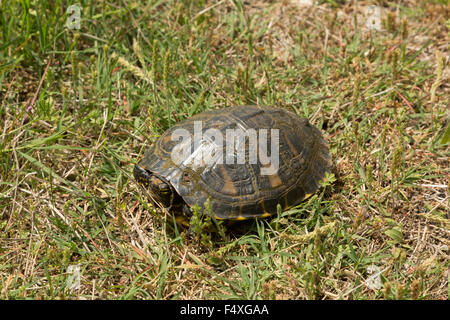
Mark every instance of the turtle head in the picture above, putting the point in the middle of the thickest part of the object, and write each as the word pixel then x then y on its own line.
pixel 158 187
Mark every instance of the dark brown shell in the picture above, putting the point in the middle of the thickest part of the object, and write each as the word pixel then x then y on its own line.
pixel 239 191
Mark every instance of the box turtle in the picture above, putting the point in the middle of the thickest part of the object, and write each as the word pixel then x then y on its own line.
pixel 218 168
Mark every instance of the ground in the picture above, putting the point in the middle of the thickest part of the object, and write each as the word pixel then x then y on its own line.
pixel 80 106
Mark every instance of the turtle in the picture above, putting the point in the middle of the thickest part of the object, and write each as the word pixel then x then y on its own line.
pixel 211 160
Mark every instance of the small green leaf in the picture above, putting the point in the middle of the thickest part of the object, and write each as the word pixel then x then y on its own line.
pixel 446 136
pixel 395 234
pixel 328 180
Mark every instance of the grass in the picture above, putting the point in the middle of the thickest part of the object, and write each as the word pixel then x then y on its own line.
pixel 79 107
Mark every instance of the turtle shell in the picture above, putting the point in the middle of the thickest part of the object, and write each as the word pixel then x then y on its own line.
pixel 219 167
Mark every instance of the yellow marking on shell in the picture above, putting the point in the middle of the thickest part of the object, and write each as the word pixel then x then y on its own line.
pixel 228 187
pixel 293 150
pixel 263 207
pixel 166 139
pixel 275 180
pixel 241 218
pixel 286 204
pixel 265 215
pixel 307 196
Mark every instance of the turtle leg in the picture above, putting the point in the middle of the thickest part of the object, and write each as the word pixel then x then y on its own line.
pixel 187 211
pixel 182 214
